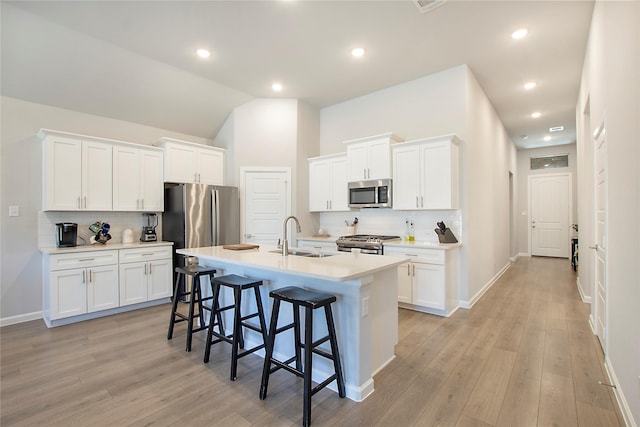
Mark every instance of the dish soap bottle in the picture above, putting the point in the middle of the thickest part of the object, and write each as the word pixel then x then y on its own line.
pixel 412 232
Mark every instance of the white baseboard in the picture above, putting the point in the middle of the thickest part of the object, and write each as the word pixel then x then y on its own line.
pixel 524 254
pixel 622 401
pixel 514 258
pixel 583 297
pixel 592 324
pixel 12 320
pixel 485 288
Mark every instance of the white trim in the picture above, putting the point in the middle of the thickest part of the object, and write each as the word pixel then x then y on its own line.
pixel 485 288
pixel 528 254
pixel 620 397
pixel 529 203
pixel 514 258
pixel 584 298
pixel 21 318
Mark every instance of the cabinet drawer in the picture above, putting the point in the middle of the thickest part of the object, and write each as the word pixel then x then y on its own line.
pixel 145 254
pixel 429 256
pixel 82 259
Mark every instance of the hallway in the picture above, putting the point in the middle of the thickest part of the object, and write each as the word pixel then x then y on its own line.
pixel 524 355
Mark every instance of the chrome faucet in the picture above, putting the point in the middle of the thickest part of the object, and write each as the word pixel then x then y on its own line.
pixel 285 242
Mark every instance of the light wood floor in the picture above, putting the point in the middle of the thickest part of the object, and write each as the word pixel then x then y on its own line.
pixel 524 355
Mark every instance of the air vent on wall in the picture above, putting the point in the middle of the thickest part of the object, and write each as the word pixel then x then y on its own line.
pixel 428 5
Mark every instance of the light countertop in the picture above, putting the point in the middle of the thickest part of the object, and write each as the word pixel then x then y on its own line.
pixel 101 247
pixel 340 267
pixel 397 243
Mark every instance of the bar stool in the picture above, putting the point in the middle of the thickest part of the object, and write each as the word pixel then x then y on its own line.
pixel 195 298
pixel 310 301
pixel 238 284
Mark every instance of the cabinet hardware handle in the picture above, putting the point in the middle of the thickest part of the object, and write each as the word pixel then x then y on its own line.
pixel 417 205
pixel 137 203
pixel 414 270
pixel 330 205
pixel 146 254
pixel 410 254
pixel 90 276
pixel 150 269
pixel 85 202
pixel 145 269
pixel 86 259
pixel 408 270
pixel 84 279
pixel 79 204
pixel 421 202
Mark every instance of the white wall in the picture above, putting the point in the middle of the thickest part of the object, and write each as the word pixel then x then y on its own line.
pixel 524 157
pixel 611 83
pixel 20 276
pixel 447 102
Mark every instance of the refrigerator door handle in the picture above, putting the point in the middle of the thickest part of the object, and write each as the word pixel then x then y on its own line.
pixel 215 217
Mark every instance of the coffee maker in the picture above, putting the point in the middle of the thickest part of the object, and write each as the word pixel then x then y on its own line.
pixel 66 234
pixel 149 230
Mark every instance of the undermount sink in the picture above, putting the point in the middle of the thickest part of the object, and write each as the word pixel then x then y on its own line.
pixel 307 254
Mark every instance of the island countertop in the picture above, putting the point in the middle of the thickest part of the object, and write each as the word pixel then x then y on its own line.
pixel 338 267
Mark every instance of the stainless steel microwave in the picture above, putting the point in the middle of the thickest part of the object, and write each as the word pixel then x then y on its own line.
pixel 370 194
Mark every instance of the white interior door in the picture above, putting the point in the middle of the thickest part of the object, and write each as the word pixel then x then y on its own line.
pixel 266 196
pixel 550 197
pixel 600 265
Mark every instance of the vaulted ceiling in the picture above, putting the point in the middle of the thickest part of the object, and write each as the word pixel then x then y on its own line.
pixel 135 60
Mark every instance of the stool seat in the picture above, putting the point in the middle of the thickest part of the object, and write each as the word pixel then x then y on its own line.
pixel 237 284
pixel 195 270
pixel 303 297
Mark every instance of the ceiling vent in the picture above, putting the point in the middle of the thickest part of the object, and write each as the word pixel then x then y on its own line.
pixel 428 5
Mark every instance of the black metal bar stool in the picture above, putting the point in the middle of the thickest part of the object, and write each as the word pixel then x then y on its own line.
pixel 310 301
pixel 238 284
pixel 195 298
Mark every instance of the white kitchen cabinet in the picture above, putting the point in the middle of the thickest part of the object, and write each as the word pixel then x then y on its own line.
pixel 137 179
pixel 145 274
pixel 79 283
pixel 186 162
pixel 370 157
pixel 428 282
pixel 77 172
pixel 426 174
pixel 328 183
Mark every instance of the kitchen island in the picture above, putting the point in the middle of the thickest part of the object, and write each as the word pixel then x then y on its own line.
pixel 366 310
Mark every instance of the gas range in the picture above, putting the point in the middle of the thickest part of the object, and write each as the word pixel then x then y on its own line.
pixel 367 243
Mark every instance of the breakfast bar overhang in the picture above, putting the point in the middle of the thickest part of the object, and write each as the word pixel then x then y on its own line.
pixel 366 310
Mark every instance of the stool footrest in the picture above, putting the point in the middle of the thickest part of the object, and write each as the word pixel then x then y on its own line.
pixel 320 341
pixel 323 353
pixel 252 326
pixel 285 365
pixel 251 350
pixel 323 384
pixel 284 328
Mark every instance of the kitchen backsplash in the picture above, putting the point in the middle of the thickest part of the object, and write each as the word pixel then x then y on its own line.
pixel 119 221
pixel 390 222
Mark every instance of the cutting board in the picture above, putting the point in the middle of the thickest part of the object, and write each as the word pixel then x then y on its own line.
pixel 240 246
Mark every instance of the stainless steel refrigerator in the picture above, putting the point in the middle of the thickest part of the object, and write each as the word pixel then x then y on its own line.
pixel 197 215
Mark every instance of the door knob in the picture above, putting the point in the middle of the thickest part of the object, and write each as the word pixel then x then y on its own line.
pixel 594 247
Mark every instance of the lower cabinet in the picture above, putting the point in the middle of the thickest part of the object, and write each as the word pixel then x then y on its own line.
pixel 329 245
pixel 81 283
pixel 428 282
pixel 145 274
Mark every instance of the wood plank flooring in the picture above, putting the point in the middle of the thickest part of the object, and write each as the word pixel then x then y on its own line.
pixel 524 355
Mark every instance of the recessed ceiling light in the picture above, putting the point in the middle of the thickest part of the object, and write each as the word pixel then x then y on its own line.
pixel 529 85
pixel 547 138
pixel 556 129
pixel 203 53
pixel 357 52
pixel 277 87
pixel 518 34
pixel 536 114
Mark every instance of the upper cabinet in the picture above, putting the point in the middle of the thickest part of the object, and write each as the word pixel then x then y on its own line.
pixel 137 179
pixel 193 163
pixel 328 183
pixel 426 174
pixel 370 157
pixel 77 172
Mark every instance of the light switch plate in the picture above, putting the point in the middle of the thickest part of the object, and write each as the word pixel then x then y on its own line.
pixel 14 210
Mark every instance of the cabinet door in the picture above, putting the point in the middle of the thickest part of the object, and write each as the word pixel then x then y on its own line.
pixel 159 279
pixel 126 179
pixel 357 162
pixel 102 288
pixel 437 176
pixel 179 163
pixel 68 293
pixel 406 178
pixel 151 185
pixel 405 280
pixel 210 167
pixel 339 189
pixel 133 283
pixel 379 159
pixel 319 185
pixel 428 285
pixel 62 184
pixel 97 173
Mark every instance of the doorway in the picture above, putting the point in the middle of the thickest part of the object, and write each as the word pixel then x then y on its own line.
pixel 550 207
pixel 266 202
